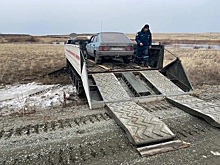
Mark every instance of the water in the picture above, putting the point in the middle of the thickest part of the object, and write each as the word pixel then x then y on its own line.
pixel 195 46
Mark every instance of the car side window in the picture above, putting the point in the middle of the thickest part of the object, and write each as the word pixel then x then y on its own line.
pixel 95 39
pixel 91 40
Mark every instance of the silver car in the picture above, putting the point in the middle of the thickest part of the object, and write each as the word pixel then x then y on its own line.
pixel 110 45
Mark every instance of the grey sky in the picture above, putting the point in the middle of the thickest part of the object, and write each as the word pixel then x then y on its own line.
pixel 84 16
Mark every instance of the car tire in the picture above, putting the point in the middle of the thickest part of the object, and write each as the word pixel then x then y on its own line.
pixel 98 60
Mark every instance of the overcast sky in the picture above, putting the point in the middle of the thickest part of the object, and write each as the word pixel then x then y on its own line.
pixel 129 16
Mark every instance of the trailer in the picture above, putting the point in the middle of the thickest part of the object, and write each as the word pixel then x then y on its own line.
pixel 120 87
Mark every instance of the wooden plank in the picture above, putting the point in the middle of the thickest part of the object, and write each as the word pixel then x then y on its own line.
pixel 162 147
pixel 102 66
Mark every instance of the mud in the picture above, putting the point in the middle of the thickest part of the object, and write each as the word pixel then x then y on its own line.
pixel 77 135
pixel 210 93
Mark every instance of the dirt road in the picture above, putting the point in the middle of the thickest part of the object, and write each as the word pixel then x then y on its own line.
pixel 77 135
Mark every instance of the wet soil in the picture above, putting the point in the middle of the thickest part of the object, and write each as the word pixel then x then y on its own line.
pixel 77 135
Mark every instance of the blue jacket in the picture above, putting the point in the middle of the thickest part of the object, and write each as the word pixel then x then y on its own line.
pixel 144 38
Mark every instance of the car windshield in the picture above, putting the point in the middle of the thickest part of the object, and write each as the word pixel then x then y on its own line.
pixel 114 37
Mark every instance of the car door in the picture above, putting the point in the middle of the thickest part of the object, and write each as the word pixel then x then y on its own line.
pixel 93 45
pixel 97 43
pixel 89 46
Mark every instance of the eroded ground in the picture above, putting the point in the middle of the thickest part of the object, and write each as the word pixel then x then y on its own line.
pixel 77 135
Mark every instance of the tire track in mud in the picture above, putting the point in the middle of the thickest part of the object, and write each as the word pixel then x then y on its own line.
pixel 104 147
pixel 98 150
pixel 190 130
pixel 53 125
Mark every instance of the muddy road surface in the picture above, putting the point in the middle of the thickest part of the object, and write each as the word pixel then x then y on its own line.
pixel 77 135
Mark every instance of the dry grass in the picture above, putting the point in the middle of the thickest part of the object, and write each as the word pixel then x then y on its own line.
pixel 45 39
pixel 17 38
pixel 201 66
pixel 30 62
pixel 10 38
pixel 165 38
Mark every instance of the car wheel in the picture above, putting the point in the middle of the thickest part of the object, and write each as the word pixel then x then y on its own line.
pixel 98 60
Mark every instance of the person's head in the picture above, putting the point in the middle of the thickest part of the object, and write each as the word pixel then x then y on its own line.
pixel 146 28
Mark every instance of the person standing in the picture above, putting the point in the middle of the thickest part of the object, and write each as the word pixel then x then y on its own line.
pixel 144 41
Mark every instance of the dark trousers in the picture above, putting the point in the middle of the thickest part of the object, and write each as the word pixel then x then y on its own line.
pixel 140 51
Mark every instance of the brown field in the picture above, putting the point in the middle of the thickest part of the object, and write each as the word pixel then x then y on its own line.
pixel 165 38
pixel 32 62
pixel 16 38
pixel 21 63
pixel 201 66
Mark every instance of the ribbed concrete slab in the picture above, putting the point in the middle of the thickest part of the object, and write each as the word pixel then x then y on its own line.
pixel 161 83
pixel 110 88
pixel 192 105
pixel 140 126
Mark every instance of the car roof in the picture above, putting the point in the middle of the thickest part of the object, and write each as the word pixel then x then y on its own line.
pixel 114 37
pixel 110 32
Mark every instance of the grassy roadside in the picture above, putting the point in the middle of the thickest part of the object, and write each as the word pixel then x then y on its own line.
pixel 31 62
pixel 201 66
